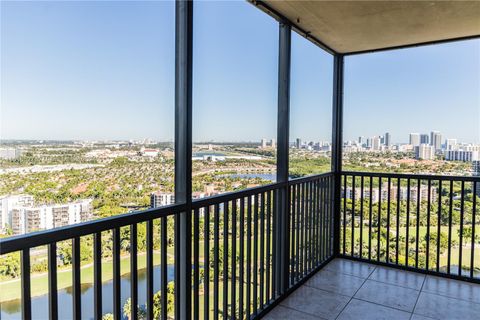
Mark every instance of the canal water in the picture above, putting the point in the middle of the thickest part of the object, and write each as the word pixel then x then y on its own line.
pixel 12 309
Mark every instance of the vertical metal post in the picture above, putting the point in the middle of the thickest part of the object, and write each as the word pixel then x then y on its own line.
pixel 337 143
pixel 183 156
pixel 283 127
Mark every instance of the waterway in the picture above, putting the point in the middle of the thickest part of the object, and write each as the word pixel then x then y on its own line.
pixel 12 309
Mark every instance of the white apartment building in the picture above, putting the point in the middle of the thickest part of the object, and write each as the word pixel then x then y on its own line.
pixel 393 193
pixel 462 155
pixel 7 203
pixel 425 152
pixel 414 139
pixel 160 199
pixel 29 218
pixel 10 153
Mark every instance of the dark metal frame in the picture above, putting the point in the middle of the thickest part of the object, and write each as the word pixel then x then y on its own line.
pixel 185 208
pixel 183 156
pixel 283 128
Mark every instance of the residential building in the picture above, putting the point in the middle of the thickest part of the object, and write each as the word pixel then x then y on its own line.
pixel 424 138
pixel 10 153
pixel 160 199
pixel 450 144
pixel 27 219
pixel 7 203
pixel 263 143
pixel 415 139
pixel 387 139
pixel 436 140
pixel 461 155
pixel 425 152
pixel 376 143
pixel 298 143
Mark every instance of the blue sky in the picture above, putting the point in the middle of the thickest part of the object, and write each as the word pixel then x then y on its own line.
pixel 105 70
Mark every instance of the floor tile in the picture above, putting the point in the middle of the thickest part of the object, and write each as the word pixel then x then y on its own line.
pixel 398 277
pixel 419 317
pixel 336 282
pixel 441 307
pixel 316 302
pixel 349 267
pixel 283 313
pixel 362 310
pixel 388 295
pixel 452 288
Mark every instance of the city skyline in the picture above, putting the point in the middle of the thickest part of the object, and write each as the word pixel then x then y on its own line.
pixel 126 90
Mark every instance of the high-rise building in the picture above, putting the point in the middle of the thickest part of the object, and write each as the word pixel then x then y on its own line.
pixel 461 155
pixel 376 143
pixel 476 172
pixel 361 140
pixel 450 144
pixel 387 139
pixel 273 143
pixel 415 139
pixel 424 138
pixel 425 152
pixel 264 143
pixel 7 203
pixel 436 140
pixel 10 153
pixel 160 199
pixel 298 143
pixel 32 218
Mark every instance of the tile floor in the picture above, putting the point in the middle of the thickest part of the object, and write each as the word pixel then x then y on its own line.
pixel 347 289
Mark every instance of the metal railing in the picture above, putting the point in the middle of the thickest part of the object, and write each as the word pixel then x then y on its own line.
pixel 235 260
pixel 423 223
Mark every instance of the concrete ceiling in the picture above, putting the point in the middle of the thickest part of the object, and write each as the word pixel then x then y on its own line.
pixel 353 26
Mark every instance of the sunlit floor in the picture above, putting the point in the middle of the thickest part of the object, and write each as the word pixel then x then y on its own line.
pixel 346 289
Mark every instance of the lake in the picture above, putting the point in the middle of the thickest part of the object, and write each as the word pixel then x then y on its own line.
pixel 12 309
pixel 265 176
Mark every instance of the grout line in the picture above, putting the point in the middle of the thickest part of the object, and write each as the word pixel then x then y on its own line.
pixel 345 306
pixel 421 290
pixel 382 305
pixel 396 285
pixel 450 297
pixel 303 312
pixel 326 291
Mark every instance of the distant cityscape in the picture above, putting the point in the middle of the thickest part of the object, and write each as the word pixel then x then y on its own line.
pixel 20 213
pixel 424 146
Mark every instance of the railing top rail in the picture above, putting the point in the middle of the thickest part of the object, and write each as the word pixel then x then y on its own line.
pixel 229 196
pixel 45 237
pixel 310 178
pixel 411 176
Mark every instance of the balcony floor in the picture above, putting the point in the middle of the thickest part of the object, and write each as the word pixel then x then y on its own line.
pixel 347 289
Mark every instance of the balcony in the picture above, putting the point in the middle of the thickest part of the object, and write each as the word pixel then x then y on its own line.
pixel 349 289
pixel 339 244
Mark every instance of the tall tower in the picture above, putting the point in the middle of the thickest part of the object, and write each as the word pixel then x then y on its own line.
pixel 298 143
pixel 436 140
pixel 387 139
pixel 415 139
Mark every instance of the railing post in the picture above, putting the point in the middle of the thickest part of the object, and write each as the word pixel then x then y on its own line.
pixel 337 144
pixel 283 127
pixel 183 156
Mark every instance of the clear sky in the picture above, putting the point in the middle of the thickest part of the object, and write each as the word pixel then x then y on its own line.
pixel 105 70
